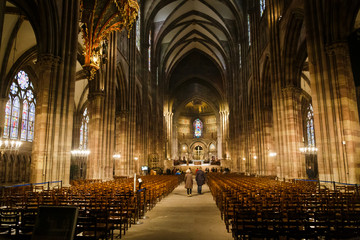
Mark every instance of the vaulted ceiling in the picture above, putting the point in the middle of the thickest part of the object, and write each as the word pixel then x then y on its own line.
pixel 194 42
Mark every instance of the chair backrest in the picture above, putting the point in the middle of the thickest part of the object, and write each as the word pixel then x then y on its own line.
pixel 55 222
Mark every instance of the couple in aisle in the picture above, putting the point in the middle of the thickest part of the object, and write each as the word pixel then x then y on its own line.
pixel 200 180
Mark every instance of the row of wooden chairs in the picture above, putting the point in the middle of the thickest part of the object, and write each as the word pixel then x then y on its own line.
pixel 253 207
pixel 103 206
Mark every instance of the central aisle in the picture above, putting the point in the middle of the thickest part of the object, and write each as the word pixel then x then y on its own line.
pixel 178 217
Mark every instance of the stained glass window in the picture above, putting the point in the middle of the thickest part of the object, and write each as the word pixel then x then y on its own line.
pixel 138 30
pixel 24 122
pixel 310 127
pixel 84 130
pixel 262 7
pixel 20 108
pixel 198 126
pixel 249 35
pixel 30 136
pixel 7 119
pixel 15 118
pixel 149 52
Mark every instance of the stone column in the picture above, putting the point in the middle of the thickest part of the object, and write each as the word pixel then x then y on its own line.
pixel 294 166
pixel 121 165
pixel 2 14
pixel 3 101
pixel 95 166
pixel 42 161
pixel 274 11
pixel 270 161
pixel 333 94
pixel 220 137
pixel 168 116
pixel 346 154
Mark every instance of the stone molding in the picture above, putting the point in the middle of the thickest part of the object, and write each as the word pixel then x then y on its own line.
pixel 48 61
pixel 337 48
pixel 122 113
pixel 95 94
pixel 291 91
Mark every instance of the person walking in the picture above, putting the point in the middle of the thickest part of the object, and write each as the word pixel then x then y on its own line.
pixel 200 179
pixel 188 182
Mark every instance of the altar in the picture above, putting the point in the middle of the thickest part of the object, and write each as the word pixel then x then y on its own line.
pixel 199 162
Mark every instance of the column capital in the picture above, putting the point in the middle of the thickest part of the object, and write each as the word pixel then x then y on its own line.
pixel 48 61
pixel 3 100
pixel 122 113
pixel 168 114
pixel 224 112
pixel 337 48
pixel 291 91
pixel 95 94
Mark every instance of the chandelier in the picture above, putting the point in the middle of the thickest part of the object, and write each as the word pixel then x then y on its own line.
pixel 99 18
pixel 80 153
pixel 308 150
pixel 9 145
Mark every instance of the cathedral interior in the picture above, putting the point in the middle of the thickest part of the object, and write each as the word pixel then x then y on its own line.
pixel 264 88
pixel 109 89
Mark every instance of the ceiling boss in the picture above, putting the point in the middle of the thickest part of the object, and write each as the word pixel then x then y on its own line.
pixel 98 19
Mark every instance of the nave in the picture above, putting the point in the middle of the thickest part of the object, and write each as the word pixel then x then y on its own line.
pixel 179 217
pixel 250 207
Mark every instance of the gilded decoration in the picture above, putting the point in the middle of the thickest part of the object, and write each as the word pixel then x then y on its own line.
pixel 99 18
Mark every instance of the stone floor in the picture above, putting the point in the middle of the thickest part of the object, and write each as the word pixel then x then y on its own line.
pixel 178 217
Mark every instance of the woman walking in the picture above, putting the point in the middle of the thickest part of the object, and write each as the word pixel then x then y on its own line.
pixel 188 182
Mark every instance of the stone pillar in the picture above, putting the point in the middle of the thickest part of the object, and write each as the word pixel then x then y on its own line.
pixel 333 94
pixel 3 101
pixel 345 158
pixel 121 165
pixel 42 161
pixel 2 14
pixel 95 166
pixel 223 150
pixel 269 160
pixel 294 166
pixel 220 136
pixel 168 116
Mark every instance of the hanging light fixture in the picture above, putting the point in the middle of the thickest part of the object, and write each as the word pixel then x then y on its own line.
pixel 80 153
pixel 9 145
pixel 98 19
pixel 308 150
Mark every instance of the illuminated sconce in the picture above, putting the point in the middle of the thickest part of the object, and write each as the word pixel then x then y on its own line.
pixel 272 154
pixel 136 158
pixel 80 153
pixel 11 145
pixel 255 157
pixel 117 156
pixel 310 150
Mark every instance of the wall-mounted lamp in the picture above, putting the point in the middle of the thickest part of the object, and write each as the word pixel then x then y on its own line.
pixel 117 156
pixel 244 159
pixel 272 154
pixel 311 150
pixel 255 157
pixel 136 158
pixel 9 145
pixel 80 153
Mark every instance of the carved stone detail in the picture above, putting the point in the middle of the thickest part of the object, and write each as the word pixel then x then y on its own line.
pixel 337 48
pixel 48 61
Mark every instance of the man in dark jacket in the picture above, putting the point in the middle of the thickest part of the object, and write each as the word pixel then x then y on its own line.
pixel 200 179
